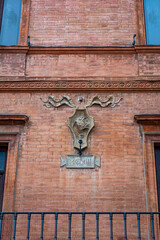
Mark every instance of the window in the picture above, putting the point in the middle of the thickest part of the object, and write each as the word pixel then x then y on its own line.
pixel 152 21
pixel 10 15
pixel 1 12
pixel 3 160
pixel 157 164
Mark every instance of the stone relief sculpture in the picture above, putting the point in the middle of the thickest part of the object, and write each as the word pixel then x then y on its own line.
pixel 53 102
pixel 80 123
pixel 96 100
pixel 109 101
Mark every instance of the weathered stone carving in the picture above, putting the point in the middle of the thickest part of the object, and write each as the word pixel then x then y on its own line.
pixel 80 124
pixel 109 101
pixel 81 162
pixel 53 102
pixel 96 100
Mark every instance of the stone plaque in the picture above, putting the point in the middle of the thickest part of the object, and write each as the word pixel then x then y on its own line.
pixel 76 161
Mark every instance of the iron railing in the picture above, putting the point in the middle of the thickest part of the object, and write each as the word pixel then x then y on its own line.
pixel 150 216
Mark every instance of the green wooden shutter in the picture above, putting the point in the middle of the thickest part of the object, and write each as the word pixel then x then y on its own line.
pixel 10 22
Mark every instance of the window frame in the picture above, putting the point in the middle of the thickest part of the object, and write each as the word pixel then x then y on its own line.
pixel 157 162
pixel 150 138
pixel 3 148
pixel 1 12
pixel 149 129
pixel 24 21
pixel 10 24
pixel 12 140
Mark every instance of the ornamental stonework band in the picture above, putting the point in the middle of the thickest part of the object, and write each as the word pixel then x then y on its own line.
pixel 80 85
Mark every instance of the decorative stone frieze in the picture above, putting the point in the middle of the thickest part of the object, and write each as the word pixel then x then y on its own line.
pixel 97 86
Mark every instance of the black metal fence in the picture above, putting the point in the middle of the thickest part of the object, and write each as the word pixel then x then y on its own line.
pixel 111 215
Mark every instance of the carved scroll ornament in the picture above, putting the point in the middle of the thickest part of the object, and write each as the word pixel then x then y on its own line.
pixel 109 101
pixel 54 102
pixel 96 100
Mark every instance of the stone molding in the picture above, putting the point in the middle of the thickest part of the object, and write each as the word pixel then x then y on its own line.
pixel 13 119
pixel 80 49
pixel 80 85
pixel 143 119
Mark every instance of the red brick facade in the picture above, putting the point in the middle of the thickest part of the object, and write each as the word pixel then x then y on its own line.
pixel 126 180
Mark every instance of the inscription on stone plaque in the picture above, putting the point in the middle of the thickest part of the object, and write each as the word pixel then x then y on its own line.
pixel 75 161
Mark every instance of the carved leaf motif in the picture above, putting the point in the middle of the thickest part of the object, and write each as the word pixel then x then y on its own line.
pixel 54 102
pixel 109 101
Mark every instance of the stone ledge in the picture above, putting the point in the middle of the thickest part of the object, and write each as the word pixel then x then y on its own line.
pixel 13 119
pixel 80 49
pixel 150 119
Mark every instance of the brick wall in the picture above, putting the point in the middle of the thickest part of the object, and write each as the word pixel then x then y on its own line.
pixel 90 22
pixel 12 65
pixel 72 66
pixel 82 65
pixel 40 183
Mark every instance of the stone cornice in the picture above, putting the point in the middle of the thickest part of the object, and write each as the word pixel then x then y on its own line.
pixel 147 119
pixel 13 119
pixel 14 49
pixel 80 85
pixel 80 49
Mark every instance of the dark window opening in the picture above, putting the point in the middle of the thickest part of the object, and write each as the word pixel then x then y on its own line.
pixel 157 162
pixel 3 161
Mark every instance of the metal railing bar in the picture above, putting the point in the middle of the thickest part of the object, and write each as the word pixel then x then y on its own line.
pixel 69 227
pixel 145 213
pixel 1 219
pixel 97 214
pixel 152 222
pixel 97 226
pixel 139 227
pixel 56 222
pixel 42 221
pixel 15 222
pixel 111 226
pixel 83 226
pixel 125 226
pixel 28 227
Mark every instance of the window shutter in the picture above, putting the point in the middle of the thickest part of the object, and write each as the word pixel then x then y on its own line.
pixel 152 21
pixel 10 22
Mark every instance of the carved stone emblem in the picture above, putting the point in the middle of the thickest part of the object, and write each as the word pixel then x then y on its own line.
pixel 80 124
